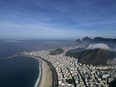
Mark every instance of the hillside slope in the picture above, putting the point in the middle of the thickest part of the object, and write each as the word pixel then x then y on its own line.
pixel 94 56
pixel 57 51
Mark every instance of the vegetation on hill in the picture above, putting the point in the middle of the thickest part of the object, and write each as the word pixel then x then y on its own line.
pixel 57 51
pixel 94 57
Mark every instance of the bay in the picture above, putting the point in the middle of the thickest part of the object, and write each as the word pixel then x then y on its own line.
pixel 23 71
pixel 18 72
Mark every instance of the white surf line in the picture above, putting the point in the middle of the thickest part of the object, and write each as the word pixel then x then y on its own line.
pixel 39 77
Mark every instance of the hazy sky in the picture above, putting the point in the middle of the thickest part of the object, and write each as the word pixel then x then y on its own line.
pixel 57 19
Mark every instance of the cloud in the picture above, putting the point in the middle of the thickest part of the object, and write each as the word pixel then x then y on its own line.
pixel 99 46
pixel 56 19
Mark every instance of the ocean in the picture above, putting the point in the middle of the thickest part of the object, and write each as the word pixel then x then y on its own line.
pixel 23 71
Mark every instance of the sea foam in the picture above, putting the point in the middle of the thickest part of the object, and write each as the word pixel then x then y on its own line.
pixel 39 77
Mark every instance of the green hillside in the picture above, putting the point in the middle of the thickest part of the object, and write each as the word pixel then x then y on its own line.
pixel 94 57
pixel 57 51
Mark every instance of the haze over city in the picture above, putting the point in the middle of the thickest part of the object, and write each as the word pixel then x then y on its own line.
pixel 57 19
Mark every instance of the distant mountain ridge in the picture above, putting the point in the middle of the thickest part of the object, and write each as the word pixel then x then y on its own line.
pixel 86 39
pixel 99 39
pixel 95 56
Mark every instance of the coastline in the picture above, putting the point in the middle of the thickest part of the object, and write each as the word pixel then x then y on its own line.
pixel 45 79
pixel 39 76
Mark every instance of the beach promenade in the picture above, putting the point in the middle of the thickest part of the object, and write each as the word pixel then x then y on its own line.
pixel 46 79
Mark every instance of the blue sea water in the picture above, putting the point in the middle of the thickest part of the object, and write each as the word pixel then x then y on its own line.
pixel 18 72
pixel 23 71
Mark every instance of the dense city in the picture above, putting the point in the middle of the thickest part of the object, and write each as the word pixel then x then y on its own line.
pixel 71 73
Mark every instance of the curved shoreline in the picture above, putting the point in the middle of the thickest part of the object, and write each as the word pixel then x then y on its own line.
pixel 40 74
pixel 45 80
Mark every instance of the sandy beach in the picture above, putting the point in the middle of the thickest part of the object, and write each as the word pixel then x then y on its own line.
pixel 46 78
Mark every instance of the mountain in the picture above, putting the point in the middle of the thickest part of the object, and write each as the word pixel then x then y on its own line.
pixel 109 41
pixel 99 40
pixel 57 51
pixel 87 39
pixel 94 56
pixel 78 40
